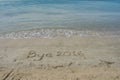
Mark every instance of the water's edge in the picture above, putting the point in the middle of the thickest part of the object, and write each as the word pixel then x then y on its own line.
pixel 50 33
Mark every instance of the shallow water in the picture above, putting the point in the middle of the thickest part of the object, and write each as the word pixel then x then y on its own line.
pixel 84 15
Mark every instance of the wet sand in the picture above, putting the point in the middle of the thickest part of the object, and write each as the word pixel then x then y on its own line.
pixel 60 58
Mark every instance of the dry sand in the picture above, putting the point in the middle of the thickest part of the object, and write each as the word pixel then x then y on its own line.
pixel 60 58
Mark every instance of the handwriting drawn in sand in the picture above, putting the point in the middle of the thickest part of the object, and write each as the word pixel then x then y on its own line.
pixel 39 56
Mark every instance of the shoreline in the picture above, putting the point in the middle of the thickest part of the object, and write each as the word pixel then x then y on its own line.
pixel 51 33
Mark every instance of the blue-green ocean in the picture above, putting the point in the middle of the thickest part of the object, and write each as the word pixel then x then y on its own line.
pixel 100 15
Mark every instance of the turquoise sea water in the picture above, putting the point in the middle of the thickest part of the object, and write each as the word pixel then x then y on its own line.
pixel 77 14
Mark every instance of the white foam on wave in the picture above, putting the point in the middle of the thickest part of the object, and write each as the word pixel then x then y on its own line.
pixel 50 33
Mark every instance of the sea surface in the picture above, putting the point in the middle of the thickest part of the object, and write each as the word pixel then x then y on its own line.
pixel 99 15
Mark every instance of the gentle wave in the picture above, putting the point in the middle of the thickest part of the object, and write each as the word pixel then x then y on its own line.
pixel 50 33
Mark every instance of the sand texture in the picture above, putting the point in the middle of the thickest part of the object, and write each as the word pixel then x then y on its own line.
pixel 60 58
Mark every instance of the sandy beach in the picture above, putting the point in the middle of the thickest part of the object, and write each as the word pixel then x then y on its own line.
pixel 59 39
pixel 60 58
